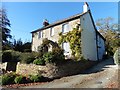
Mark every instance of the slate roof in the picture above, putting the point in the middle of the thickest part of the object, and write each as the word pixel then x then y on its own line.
pixel 60 22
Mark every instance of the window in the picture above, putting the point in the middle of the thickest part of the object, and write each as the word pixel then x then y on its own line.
pixel 51 31
pixel 66 48
pixel 40 34
pixel 65 28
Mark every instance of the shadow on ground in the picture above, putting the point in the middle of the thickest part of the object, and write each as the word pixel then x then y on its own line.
pixel 100 66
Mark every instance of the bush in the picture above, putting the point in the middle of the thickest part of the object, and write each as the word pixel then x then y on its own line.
pixel 8 78
pixel 39 61
pixel 55 56
pixel 0 79
pixel 117 57
pixel 10 56
pixel 36 78
pixel 19 79
pixel 27 50
pixel 58 54
pixel 28 57
pixel 48 57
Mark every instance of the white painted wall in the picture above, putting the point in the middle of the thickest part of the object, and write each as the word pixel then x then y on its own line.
pixel 88 38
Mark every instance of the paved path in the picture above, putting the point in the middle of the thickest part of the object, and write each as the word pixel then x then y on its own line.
pixel 98 76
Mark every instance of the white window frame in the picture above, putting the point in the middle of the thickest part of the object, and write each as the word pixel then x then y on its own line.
pixel 40 34
pixel 65 28
pixel 52 31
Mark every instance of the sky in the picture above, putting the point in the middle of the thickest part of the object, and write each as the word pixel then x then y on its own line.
pixel 26 17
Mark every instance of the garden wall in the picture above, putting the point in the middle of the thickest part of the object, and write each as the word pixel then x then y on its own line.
pixel 54 71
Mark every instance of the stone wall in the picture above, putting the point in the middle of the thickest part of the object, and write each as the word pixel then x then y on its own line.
pixel 54 71
pixel 46 33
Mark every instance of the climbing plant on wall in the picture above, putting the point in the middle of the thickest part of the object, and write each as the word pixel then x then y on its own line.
pixel 43 48
pixel 74 39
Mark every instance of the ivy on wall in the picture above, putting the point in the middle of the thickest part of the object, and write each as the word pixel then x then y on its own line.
pixel 74 39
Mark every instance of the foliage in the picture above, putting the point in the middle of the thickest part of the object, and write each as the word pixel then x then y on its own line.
pixel 8 78
pixel 7 46
pixel 74 39
pixel 43 48
pixel 117 56
pixel 18 45
pixel 21 47
pixel 28 57
pixel 39 61
pixel 15 56
pixel 53 56
pixel 11 78
pixel 10 56
pixel 48 57
pixel 4 24
pixel 35 78
pixel 27 47
pixel 110 32
pixel 19 79
pixel 58 54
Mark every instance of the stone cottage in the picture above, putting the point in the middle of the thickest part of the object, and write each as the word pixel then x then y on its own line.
pixel 93 43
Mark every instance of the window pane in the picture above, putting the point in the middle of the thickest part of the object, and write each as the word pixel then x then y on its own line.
pixel 66 48
pixel 65 28
pixel 51 31
pixel 40 34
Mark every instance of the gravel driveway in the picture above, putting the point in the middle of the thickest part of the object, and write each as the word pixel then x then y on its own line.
pixel 99 76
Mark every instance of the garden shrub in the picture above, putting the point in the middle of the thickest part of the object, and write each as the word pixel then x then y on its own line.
pixel 58 54
pixel 55 56
pixel 48 57
pixel 8 78
pixel 36 78
pixel 117 57
pixel 39 61
pixel 10 56
pixel 27 50
pixel 28 57
pixel 19 79
pixel 0 79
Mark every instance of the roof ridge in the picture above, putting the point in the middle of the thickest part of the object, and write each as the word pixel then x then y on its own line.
pixel 60 21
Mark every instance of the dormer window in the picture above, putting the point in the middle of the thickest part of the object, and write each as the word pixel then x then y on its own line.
pixel 40 34
pixel 51 31
pixel 65 28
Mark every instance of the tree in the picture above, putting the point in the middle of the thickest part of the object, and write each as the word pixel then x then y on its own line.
pixel 4 24
pixel 110 32
pixel 18 45
pixel 27 47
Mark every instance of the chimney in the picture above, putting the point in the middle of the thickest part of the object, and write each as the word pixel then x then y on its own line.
pixel 45 23
pixel 85 7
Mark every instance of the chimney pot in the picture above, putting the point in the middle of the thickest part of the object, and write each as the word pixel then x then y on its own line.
pixel 45 23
